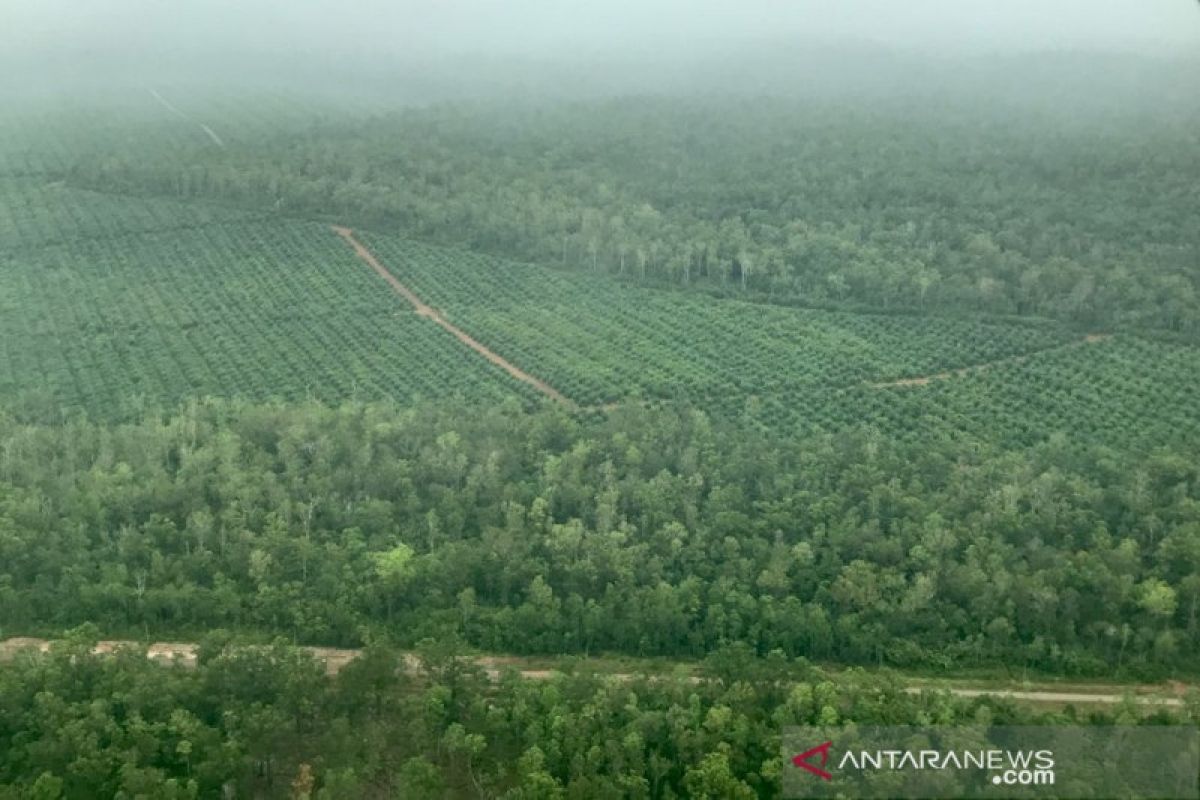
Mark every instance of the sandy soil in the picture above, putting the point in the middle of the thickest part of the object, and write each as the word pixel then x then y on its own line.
pixel 1061 697
pixel 183 654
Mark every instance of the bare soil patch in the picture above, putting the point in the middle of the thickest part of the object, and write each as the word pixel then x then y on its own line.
pixel 183 654
pixel 425 310
pixel 1064 697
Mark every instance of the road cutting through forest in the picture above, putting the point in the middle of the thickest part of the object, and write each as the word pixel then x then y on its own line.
pixel 425 310
pixel 1091 338
pixel 186 654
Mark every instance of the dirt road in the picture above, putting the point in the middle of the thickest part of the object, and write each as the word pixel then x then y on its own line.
pixel 1059 697
pixel 1091 338
pixel 162 101
pixel 184 654
pixel 425 310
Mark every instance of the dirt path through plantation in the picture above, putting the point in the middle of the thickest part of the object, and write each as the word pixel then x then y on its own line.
pixel 425 310
pixel 162 101
pixel 184 654
pixel 1091 338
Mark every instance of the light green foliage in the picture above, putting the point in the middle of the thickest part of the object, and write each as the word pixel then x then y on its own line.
pixel 1157 598
pixel 394 565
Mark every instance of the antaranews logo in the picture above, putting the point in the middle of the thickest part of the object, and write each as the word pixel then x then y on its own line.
pixel 920 763
pixel 1019 767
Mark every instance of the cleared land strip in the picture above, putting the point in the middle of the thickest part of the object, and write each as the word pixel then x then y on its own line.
pixel 1091 338
pixel 424 310
pixel 167 105
pixel 185 654
pixel 1057 697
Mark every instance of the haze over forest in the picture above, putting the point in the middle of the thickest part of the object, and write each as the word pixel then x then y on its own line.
pixel 494 26
pixel 619 42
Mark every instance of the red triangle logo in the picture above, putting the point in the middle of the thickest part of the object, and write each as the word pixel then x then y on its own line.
pixel 801 760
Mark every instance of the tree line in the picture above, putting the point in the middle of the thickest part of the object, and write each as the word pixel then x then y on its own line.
pixel 657 532
pixel 925 206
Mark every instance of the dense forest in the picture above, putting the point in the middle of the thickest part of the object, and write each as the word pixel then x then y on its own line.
pixel 267 722
pixel 913 205
pixel 647 532
pixel 800 400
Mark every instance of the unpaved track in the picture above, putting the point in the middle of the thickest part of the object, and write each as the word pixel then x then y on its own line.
pixel 1091 338
pixel 425 310
pixel 184 654
pixel 167 105
pixel 1058 697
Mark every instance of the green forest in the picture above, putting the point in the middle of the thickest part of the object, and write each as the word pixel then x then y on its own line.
pixel 268 722
pixel 928 205
pixel 608 424
pixel 646 532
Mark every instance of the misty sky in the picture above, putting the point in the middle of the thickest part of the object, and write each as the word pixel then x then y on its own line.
pixel 552 26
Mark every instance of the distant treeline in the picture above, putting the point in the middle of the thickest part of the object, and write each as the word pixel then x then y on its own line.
pixel 922 204
pixel 648 532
